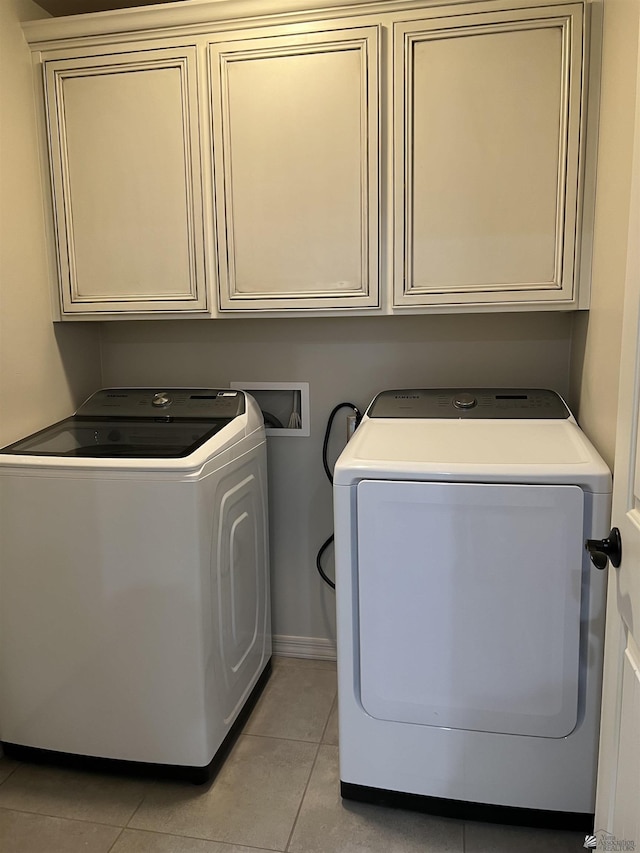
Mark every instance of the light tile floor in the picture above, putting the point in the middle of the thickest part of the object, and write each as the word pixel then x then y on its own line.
pixel 278 790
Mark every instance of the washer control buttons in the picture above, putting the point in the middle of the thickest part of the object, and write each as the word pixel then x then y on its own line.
pixel 464 401
pixel 161 400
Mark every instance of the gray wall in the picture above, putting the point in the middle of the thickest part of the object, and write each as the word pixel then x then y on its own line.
pixel 342 359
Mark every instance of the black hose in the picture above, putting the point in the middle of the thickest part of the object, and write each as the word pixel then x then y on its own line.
pixel 328 472
pixel 323 575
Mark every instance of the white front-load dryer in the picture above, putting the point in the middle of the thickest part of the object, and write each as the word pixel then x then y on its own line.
pixel 470 619
pixel 134 603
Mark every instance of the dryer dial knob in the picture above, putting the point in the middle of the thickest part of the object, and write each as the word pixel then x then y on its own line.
pixel 160 400
pixel 465 401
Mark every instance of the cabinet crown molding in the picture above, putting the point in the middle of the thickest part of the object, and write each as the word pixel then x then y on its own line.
pixel 210 15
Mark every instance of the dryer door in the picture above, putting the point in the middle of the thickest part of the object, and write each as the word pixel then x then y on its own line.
pixel 469 604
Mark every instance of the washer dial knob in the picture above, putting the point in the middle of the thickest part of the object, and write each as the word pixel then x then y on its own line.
pixel 464 401
pixel 161 399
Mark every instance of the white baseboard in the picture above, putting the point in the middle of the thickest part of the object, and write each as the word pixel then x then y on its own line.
pixel 304 647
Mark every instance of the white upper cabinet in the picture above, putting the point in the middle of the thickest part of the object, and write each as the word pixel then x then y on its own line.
pixel 272 158
pixel 487 157
pixel 296 148
pixel 126 181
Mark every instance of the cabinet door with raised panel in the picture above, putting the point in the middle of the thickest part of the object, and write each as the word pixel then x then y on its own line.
pixel 126 179
pixel 295 139
pixel 488 113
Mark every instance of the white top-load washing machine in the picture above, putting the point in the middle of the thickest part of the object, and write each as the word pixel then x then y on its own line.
pixel 470 619
pixel 134 579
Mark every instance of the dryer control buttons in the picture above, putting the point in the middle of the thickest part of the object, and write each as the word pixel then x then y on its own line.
pixel 465 401
pixel 161 400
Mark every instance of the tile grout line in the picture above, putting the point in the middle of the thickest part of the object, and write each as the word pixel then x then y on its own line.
pixel 315 760
pixel 117 838
pixel 284 737
pixel 63 817
pixel 204 839
pixel 326 725
pixel 304 794
pixel 11 772
pixel 136 810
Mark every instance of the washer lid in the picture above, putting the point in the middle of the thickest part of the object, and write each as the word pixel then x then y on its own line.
pixel 472 450
pixel 110 438
pixel 136 423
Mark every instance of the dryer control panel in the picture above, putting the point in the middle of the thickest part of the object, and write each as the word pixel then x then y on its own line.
pixel 505 403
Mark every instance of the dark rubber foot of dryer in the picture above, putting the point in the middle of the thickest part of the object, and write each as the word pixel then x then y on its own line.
pixel 461 810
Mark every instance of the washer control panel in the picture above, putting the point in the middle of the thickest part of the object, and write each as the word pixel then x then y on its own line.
pixel 188 403
pixel 504 403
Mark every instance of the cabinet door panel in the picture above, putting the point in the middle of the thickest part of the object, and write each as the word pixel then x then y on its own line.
pixel 126 182
pixel 296 143
pixel 487 154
